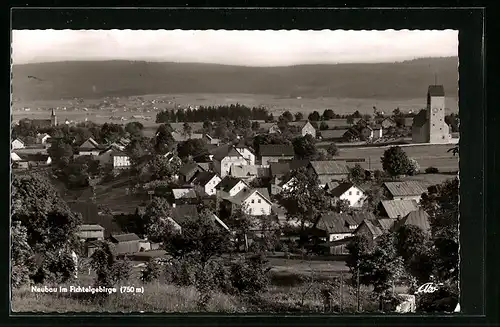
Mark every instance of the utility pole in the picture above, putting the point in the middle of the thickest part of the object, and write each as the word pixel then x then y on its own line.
pixel 341 291
pixel 357 290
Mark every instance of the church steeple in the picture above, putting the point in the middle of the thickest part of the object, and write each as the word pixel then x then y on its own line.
pixel 53 117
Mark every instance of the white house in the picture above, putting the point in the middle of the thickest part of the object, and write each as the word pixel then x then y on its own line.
pixel 349 192
pixel 254 202
pixel 225 157
pixel 208 180
pixel 42 138
pixel 230 186
pixel 121 160
pixel 408 190
pixel 17 144
pixel 246 152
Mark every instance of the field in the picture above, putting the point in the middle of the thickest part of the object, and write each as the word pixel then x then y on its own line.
pixel 284 294
pixel 434 155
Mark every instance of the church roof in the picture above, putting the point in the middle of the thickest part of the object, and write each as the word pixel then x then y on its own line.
pixel 436 91
pixel 420 119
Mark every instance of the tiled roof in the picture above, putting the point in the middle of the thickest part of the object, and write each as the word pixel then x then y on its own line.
pixel 329 167
pixel 243 171
pixel 436 90
pixel 203 177
pixel 226 151
pixel 184 193
pixel 245 194
pixel 341 189
pixel 386 223
pixel 418 218
pixel 180 137
pixel 227 183
pixel 33 157
pixel 86 227
pixel 125 237
pixel 399 208
pixel 333 223
pixel 378 227
pixel 276 150
pixel 359 216
pixel 332 133
pixel 331 185
pixel 188 168
pixel 279 168
pixel 264 192
pixel 407 188
pixel 183 212
pixel 420 119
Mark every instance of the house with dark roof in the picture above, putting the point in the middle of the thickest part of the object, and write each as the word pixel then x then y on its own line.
pixel 328 171
pixel 126 243
pixel 418 218
pixel 274 152
pixel 188 171
pixel 30 160
pixel 90 148
pixel 349 192
pixel 183 195
pixel 91 216
pixel 230 186
pixel 388 122
pixel 207 180
pixel 373 228
pixel 397 208
pixel 246 151
pixel 226 156
pixel 407 190
pixel 255 202
pixel 305 127
pixel 334 135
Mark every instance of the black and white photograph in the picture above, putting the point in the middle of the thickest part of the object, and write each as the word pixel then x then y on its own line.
pixel 235 171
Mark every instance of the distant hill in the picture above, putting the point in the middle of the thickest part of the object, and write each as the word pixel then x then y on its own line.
pixel 96 79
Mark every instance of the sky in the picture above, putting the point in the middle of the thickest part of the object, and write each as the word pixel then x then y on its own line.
pixel 245 48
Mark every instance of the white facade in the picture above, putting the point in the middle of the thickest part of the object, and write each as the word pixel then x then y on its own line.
pixel 339 236
pixel 247 154
pixel 210 186
pixel 45 138
pixel 120 162
pixel 93 153
pixel 355 197
pixel 17 144
pixel 237 188
pixel 225 164
pixel 257 205
pixel 14 157
pixel 439 131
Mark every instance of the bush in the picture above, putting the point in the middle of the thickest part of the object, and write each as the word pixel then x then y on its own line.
pixel 250 276
pixel 431 170
pixel 150 272
pixel 445 299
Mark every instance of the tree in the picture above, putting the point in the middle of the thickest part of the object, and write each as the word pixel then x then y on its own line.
pixel 332 149
pixel 191 148
pixel 395 161
pixel 138 149
pixel 111 133
pixel 314 116
pixel 155 219
pixel 163 140
pixel 255 126
pixel 207 127
pixel 328 114
pixel 22 256
pixel 441 203
pixel 60 153
pixel 299 116
pixel 50 225
pixel 413 245
pixel 187 129
pixel 304 147
pixel 263 139
pixel 350 120
pixel 356 175
pixel 304 200
pixel 161 169
pixel 323 126
pixel 414 167
pixel 356 114
pixel 358 248
pixel 241 223
pixel 108 270
pixel 288 116
pixel 134 128
pixel 341 205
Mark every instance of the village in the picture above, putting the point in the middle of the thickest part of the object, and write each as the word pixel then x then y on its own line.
pixel 288 179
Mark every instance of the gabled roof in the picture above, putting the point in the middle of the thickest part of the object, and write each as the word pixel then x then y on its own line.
pixel 90 143
pixel 180 137
pixel 203 177
pixel 183 212
pixel 333 133
pixel 227 183
pixel 18 139
pixel 420 119
pixel 33 157
pixel 276 150
pixel 399 208
pixel 86 227
pixel 243 171
pixel 341 189
pixel 125 237
pixel 229 151
pixel 189 168
pixel 243 195
pixel 418 218
pixel 359 216
pixel 329 167
pixel 378 227
pixel 435 91
pixel 118 153
pixel 333 223
pixel 264 192
pixel 408 188
pixel 184 193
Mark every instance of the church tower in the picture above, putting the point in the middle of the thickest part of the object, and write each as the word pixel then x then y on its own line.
pixel 53 118
pixel 438 129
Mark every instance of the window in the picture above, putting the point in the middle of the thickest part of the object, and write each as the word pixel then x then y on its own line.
pixel 250 210
pixel 433 124
pixel 357 192
pixel 258 201
pixel 253 201
pixel 440 129
pixel 350 192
